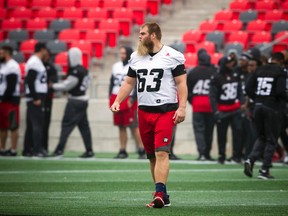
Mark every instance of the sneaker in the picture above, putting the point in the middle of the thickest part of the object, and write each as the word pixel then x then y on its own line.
pixel 2 152
pixel 209 158
pixel 264 174
pixel 121 155
pixel 27 154
pixel 160 200
pixel 201 158
pixel 88 154
pixel 40 154
pixel 57 153
pixel 10 153
pixel 248 168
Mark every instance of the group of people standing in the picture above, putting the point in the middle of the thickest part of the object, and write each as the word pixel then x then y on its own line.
pixel 40 82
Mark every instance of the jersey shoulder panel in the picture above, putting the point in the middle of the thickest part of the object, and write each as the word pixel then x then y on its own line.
pixel 13 67
pixel 176 57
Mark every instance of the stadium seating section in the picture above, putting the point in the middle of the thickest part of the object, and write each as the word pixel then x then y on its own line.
pixel 93 25
pixel 244 24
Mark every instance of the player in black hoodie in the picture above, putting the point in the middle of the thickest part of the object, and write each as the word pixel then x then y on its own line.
pixel 226 98
pixel 198 83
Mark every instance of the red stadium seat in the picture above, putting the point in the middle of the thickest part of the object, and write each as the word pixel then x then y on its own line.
pixel 111 5
pixel 260 38
pixel 3 14
pixel 232 26
pixel 97 14
pixel 72 13
pixel 256 26
pixel 153 7
pixel 139 8
pixel 125 17
pixel 17 3
pixel 223 15
pixel 284 7
pixel 215 57
pixel 86 49
pixel 47 13
pixel 273 15
pixel 191 60
pixel 21 13
pixel 112 28
pixel 87 4
pixel 22 70
pixel 263 6
pixel 191 38
pixel 281 39
pixel 62 60
pixel 39 4
pixel 240 37
pixel 208 26
pixel 207 45
pixel 35 25
pixel 238 6
pixel 69 36
pixel 98 40
pixel 64 3
pixel 27 47
pixel 11 24
pixel 84 24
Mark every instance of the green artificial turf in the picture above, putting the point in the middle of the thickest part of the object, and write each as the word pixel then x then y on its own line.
pixel 70 186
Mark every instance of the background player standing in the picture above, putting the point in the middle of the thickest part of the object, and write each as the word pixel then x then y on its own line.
pixel 9 100
pixel 127 117
pixel 266 87
pixel 162 95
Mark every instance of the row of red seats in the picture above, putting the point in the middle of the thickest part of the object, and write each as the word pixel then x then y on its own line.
pixel 226 28
pixel 152 5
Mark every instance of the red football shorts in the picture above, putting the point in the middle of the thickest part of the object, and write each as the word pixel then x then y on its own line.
pixel 126 116
pixel 9 116
pixel 156 131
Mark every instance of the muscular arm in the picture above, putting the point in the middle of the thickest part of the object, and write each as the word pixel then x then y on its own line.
pixel 125 89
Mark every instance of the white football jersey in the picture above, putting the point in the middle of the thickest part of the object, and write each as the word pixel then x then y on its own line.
pixel 34 63
pixel 10 67
pixel 155 82
pixel 119 72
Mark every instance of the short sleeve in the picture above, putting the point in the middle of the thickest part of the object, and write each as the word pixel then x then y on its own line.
pixel 131 73
pixel 177 59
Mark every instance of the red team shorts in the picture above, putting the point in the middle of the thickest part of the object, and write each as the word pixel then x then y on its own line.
pixel 126 116
pixel 9 116
pixel 156 131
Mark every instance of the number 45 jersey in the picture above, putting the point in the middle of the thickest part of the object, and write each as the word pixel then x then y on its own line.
pixel 156 86
pixel 267 85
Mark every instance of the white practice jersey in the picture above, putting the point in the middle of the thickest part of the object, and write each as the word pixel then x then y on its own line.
pixel 8 68
pixel 34 63
pixel 155 81
pixel 119 72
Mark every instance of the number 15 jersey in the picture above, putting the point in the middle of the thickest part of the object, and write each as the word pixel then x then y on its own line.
pixel 156 86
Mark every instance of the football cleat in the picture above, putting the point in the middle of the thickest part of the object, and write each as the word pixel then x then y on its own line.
pixel 160 200
pixel 264 174
pixel 248 168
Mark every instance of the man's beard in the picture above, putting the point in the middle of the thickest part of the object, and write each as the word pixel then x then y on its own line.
pixel 145 47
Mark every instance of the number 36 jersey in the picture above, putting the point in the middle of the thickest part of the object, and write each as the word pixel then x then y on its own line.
pixel 156 86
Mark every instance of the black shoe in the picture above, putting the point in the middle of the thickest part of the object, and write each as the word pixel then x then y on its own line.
pixel 248 168
pixel 57 153
pixel 234 160
pixel 173 157
pixel 264 174
pixel 121 155
pixel 209 158
pixel 27 154
pixel 201 158
pixel 40 154
pixel 10 153
pixel 2 153
pixel 88 154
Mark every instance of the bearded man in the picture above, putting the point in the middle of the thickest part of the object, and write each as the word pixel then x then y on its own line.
pixel 162 93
